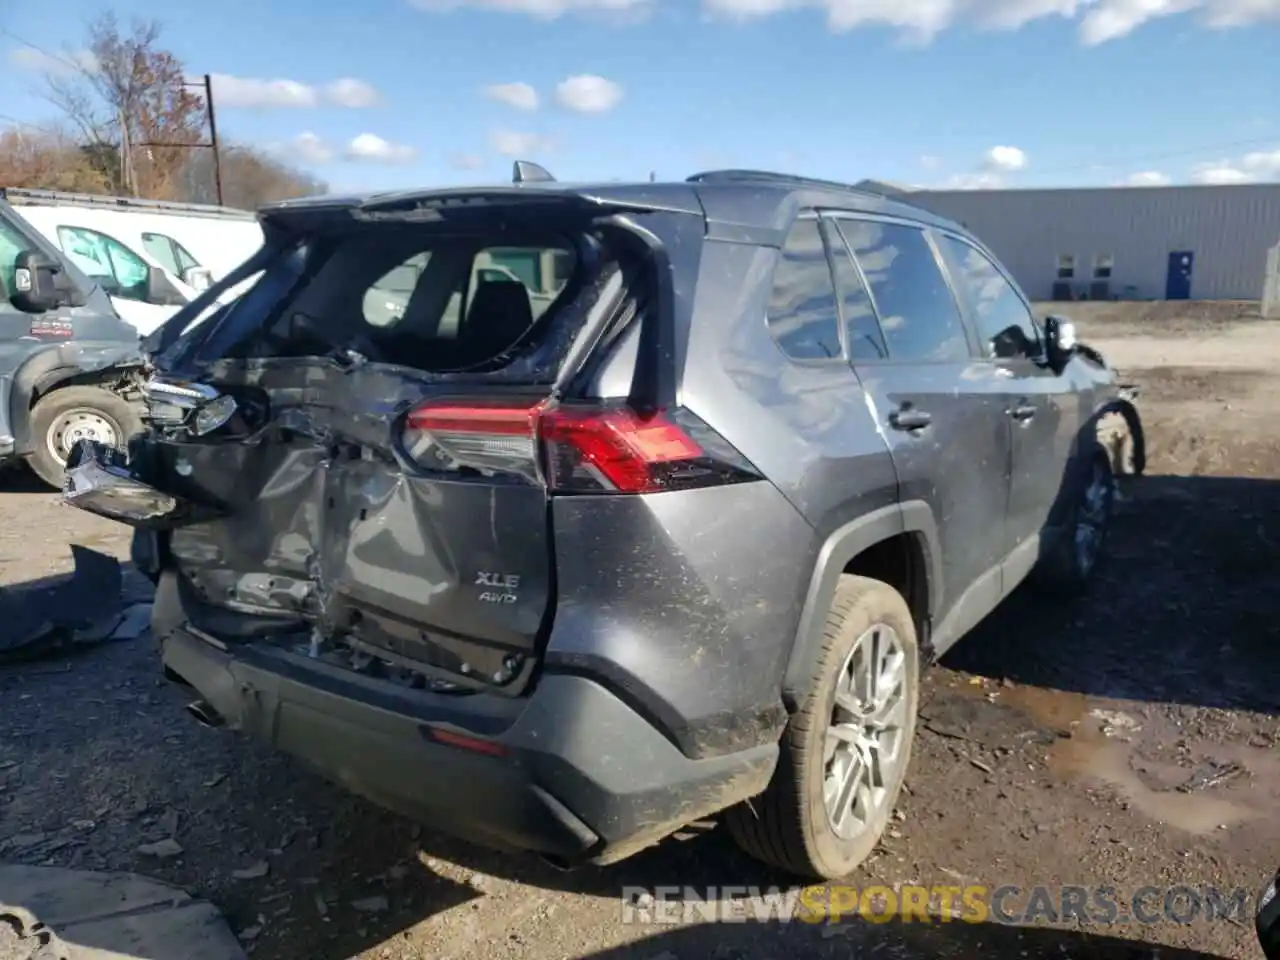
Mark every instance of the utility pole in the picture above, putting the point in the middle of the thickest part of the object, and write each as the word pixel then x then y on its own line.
pixel 213 137
pixel 207 86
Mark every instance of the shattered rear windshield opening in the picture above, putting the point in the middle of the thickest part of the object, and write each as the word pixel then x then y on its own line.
pixel 413 296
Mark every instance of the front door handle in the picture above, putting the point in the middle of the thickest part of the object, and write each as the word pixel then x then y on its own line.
pixel 1022 410
pixel 909 418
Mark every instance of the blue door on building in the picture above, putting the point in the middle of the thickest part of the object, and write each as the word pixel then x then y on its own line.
pixel 1177 282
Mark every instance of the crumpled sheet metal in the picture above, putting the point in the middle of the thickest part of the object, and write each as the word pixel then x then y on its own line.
pixel 77 611
pixel 97 485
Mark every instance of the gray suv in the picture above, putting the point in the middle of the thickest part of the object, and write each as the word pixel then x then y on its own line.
pixel 677 543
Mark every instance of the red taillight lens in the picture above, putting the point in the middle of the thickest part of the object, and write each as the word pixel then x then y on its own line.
pixel 573 449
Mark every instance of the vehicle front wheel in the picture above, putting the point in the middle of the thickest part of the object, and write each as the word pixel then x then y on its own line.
pixel 845 752
pixel 1068 566
pixel 64 416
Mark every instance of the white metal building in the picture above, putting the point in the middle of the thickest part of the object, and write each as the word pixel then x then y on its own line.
pixel 1151 243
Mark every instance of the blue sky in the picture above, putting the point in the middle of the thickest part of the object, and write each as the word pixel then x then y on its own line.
pixel 933 92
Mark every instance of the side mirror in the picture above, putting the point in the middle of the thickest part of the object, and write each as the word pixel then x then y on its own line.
pixel 197 278
pixel 160 291
pixel 37 286
pixel 1060 340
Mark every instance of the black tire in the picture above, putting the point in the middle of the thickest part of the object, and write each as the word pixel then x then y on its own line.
pixel 1062 571
pixel 123 417
pixel 787 826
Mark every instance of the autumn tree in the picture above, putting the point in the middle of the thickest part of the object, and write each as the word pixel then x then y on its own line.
pixel 129 98
pixel 49 160
pixel 250 178
pixel 137 126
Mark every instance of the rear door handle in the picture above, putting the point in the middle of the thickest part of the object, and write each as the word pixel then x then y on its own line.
pixel 909 418
pixel 1022 410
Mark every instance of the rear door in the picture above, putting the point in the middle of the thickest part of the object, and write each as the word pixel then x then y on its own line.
pixel 1042 406
pixel 941 409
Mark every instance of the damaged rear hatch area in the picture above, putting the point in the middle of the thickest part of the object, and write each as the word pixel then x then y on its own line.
pixel 354 458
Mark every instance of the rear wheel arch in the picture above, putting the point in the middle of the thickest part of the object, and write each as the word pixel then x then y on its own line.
pixel 897 544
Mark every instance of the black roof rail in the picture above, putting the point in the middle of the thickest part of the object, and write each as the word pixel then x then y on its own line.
pixel 768 176
pixel 524 171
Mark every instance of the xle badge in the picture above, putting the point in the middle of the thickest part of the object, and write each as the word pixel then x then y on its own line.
pixel 498 587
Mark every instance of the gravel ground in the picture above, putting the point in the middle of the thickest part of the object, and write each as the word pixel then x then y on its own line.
pixel 1062 743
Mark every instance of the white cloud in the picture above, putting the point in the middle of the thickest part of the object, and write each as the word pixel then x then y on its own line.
pixel 1146 178
pixel 372 148
pixel 255 93
pixel 1007 159
pixel 350 92
pixel 919 21
pixel 991 172
pixel 1262 165
pixel 311 149
pixel 587 93
pixel 623 10
pixel 521 96
pixel 513 143
pixel 980 180
pixel 56 64
pixel 466 161
pixel 307 148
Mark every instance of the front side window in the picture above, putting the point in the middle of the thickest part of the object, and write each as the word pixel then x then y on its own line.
pixel 120 271
pixel 917 311
pixel 802 304
pixel 1003 319
pixel 160 249
pixel 12 243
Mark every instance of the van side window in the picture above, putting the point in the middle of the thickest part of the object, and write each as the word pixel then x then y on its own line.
pixel 917 310
pixel 120 271
pixel 169 253
pixel 802 304
pixel 1003 319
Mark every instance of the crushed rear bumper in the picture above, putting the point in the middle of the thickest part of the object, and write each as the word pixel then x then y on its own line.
pixel 571 773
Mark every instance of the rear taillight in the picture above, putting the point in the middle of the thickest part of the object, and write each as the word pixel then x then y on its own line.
pixel 573 449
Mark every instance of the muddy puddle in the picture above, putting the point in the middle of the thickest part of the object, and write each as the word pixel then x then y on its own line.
pixel 1150 763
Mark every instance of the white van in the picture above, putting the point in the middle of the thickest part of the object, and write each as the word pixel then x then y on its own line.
pixel 151 257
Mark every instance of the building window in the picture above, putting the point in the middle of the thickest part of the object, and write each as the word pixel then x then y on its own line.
pixel 1102 264
pixel 1066 267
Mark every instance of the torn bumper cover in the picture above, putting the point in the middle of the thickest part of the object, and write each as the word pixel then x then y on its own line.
pixel 572 773
pixel 100 480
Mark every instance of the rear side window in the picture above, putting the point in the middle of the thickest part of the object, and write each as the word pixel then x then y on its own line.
pixel 1003 319
pixel 802 304
pixel 917 311
pixel 861 328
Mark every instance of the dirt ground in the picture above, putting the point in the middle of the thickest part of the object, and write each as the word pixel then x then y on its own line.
pixel 1061 743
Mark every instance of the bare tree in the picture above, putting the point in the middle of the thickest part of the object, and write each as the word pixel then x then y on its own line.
pixel 130 99
pixel 250 178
